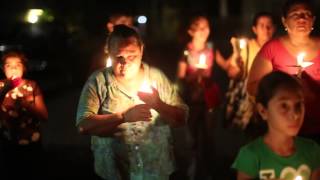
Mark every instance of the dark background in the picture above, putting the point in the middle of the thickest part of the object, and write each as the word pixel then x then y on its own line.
pixel 61 52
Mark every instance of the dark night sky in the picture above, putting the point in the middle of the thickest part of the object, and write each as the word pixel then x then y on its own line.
pixel 78 30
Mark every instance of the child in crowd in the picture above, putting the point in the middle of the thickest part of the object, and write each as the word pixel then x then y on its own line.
pixel 22 111
pixel 279 153
pixel 194 76
pixel 195 66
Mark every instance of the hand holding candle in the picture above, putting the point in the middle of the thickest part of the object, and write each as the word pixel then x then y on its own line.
pixel 240 50
pixel 140 112
pixel 202 63
pixel 149 94
pixel 145 87
pixel 301 64
pixel 15 81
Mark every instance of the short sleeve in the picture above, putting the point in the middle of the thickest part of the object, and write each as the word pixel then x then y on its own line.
pixel 89 102
pixel 247 162
pixel 267 51
pixel 167 91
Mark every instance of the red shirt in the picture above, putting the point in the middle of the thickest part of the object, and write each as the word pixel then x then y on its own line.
pixel 282 60
pixel 191 57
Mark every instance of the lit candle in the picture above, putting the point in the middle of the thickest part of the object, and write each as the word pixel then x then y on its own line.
pixel 301 64
pixel 145 87
pixel 300 58
pixel 244 54
pixel 108 62
pixel 298 178
pixel 202 64
pixel 242 43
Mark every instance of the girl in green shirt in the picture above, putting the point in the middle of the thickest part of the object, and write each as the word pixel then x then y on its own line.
pixel 279 154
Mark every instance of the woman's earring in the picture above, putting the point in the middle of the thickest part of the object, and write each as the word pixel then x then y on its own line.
pixel 286 29
pixel 312 28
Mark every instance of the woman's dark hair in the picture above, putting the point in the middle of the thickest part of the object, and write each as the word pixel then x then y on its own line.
pixel 274 81
pixel 17 54
pixel 196 18
pixel 121 35
pixel 290 3
pixel 262 14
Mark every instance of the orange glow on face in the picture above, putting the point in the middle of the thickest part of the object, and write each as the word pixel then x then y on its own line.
pixel 13 68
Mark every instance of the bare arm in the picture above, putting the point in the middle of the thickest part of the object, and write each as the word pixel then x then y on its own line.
pixel 260 68
pixel 90 121
pixel 38 108
pixel 107 124
pixel 100 125
pixel 229 65
pixel 173 115
pixel 224 64
pixel 35 104
pixel 182 69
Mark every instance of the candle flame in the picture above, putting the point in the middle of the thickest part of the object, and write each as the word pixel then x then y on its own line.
pixel 242 43
pixel 202 59
pixel 298 178
pixel 202 64
pixel 145 87
pixel 300 58
pixel 301 62
pixel 108 62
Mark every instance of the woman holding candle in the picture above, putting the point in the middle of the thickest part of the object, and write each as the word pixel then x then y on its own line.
pixel 194 75
pixel 22 111
pixel 281 54
pixel 279 153
pixel 189 66
pixel 263 28
pixel 240 107
pixel 130 129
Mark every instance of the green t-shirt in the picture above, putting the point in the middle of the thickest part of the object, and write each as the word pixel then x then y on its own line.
pixel 257 160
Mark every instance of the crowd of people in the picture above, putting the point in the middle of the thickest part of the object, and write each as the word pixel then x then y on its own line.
pixel 130 108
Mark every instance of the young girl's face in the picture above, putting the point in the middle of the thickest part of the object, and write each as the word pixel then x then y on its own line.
pixel 200 30
pixel 264 28
pixel 13 68
pixel 285 112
